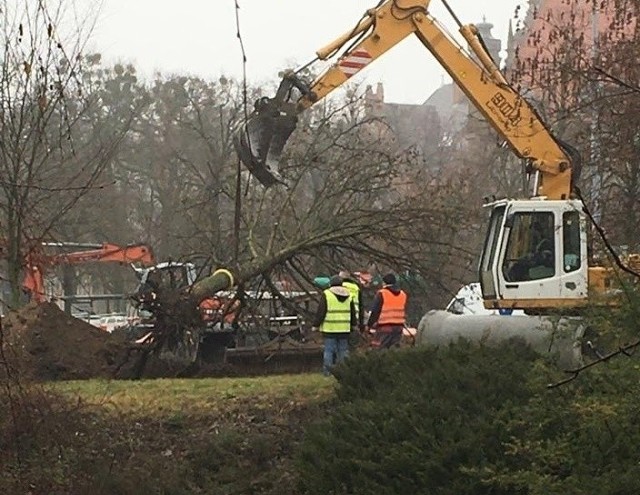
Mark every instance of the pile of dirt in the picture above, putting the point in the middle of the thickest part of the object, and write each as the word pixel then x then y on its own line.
pixel 45 343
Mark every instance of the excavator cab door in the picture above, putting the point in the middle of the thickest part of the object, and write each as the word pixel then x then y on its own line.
pixel 535 254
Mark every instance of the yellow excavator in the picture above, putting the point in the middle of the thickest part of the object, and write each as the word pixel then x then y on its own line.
pixel 535 252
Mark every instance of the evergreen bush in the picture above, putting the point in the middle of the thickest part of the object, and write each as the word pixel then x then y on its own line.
pixel 417 421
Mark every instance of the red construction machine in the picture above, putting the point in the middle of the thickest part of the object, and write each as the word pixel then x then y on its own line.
pixel 37 262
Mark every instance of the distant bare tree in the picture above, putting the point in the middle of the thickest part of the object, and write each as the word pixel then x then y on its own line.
pixel 180 165
pixel 52 146
pixel 563 68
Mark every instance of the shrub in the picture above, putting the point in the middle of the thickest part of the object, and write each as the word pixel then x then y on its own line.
pixel 417 421
pixel 581 438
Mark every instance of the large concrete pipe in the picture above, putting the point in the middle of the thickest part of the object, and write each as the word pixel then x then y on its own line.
pixel 560 338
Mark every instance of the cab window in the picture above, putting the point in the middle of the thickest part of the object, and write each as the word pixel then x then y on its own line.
pixel 530 252
pixel 571 241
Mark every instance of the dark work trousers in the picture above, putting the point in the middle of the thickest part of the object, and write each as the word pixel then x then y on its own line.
pixel 389 337
pixel 336 349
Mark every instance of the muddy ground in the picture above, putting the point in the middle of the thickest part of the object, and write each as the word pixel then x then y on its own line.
pixel 43 342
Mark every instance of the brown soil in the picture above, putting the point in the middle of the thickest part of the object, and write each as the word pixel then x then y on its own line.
pixel 45 343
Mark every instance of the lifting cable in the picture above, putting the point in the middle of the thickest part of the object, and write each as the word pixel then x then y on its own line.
pixel 459 23
pixel 244 59
pixel 238 190
pixel 452 13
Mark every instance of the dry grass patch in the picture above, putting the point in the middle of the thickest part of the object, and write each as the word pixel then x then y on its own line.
pixel 163 397
pixel 170 436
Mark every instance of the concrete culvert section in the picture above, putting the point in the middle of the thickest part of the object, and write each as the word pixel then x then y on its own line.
pixel 561 338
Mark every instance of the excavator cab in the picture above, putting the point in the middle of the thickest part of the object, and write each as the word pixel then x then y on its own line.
pixel 535 255
pixel 166 275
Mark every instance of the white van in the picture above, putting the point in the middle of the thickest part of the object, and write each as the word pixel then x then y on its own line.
pixel 111 322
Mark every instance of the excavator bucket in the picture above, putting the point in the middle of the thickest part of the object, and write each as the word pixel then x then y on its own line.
pixel 259 141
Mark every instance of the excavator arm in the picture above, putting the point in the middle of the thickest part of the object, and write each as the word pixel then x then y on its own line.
pixel 261 140
pixel 515 272
pixel 135 253
pixel 36 263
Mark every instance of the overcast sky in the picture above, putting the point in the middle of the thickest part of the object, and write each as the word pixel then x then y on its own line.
pixel 199 37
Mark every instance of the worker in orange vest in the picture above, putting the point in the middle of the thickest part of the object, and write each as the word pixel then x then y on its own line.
pixel 388 313
pixel 214 309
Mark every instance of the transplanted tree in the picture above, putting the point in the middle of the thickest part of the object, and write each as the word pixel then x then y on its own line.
pixel 350 199
pixel 52 146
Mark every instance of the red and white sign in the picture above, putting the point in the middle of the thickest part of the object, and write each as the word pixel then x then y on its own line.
pixel 354 62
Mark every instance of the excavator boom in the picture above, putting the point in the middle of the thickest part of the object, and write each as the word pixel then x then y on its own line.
pixel 135 253
pixel 535 255
pixel 36 263
pixel 261 139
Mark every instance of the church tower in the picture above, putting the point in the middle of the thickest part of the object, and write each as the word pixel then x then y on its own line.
pixel 494 45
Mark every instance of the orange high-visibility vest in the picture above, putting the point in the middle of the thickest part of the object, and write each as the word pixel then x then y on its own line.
pixel 393 307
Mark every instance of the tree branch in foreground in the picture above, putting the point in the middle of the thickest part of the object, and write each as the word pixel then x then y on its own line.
pixel 601 359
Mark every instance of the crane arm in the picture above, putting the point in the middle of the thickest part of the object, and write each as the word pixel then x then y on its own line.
pixel 508 112
pixel 261 140
pixel 36 263
pixel 136 253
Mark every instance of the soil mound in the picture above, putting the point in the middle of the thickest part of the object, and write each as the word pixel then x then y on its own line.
pixel 42 342
pixel 45 343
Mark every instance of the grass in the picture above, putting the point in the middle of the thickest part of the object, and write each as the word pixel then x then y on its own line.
pixel 168 436
pixel 166 397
